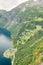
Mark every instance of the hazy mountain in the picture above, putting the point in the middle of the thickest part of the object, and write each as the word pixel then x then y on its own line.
pixel 25 22
pixel 8 18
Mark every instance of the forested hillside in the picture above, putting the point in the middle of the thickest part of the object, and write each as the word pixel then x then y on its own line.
pixel 26 26
pixel 28 38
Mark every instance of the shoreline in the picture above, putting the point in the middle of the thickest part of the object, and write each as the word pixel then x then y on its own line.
pixel 10 53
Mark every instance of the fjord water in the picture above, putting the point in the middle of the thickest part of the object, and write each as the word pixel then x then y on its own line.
pixel 4 45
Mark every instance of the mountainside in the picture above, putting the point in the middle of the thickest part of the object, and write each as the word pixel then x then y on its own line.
pixel 16 15
pixel 28 38
pixel 26 25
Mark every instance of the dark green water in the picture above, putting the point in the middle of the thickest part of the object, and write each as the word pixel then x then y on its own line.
pixel 4 46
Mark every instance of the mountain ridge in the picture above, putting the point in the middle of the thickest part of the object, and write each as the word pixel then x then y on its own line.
pixel 26 28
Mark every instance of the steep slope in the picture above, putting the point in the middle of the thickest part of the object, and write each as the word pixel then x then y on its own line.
pixel 28 36
pixel 29 42
pixel 27 33
pixel 16 15
pixel 26 12
pixel 3 19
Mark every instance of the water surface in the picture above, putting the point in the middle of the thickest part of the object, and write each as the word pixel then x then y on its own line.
pixel 4 45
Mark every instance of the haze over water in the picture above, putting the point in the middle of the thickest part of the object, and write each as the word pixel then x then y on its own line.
pixel 4 45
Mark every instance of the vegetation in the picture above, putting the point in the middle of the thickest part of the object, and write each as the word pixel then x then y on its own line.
pixel 28 38
pixel 27 34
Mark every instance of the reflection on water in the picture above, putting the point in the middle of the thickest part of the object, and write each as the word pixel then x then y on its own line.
pixel 4 45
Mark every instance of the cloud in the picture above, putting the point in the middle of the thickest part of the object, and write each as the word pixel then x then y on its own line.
pixel 9 4
pixel 35 0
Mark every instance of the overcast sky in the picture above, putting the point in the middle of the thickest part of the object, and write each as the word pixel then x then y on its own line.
pixel 9 4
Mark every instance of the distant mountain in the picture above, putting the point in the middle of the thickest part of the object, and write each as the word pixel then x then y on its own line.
pixel 25 22
pixel 25 12
pixel 16 15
